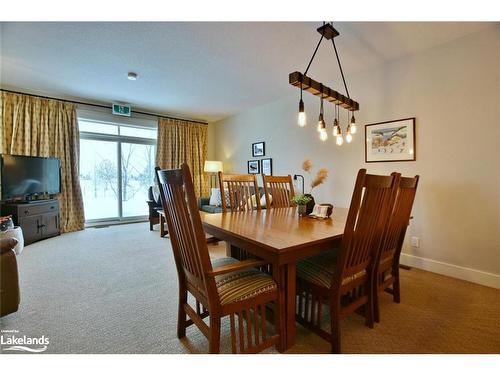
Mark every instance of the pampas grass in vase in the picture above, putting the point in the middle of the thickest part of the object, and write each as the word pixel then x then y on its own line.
pixel 320 177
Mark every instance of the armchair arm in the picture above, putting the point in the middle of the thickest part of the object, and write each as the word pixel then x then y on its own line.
pixel 7 244
pixel 244 264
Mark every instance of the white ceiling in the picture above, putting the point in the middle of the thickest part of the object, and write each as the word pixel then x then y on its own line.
pixel 197 70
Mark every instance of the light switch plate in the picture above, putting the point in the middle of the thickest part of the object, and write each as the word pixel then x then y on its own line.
pixel 415 242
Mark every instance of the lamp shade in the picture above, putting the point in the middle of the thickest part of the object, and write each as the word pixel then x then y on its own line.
pixel 213 166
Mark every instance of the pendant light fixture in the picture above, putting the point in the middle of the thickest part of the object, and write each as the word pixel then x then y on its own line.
pixel 339 138
pixel 323 135
pixel 348 135
pixel 301 120
pixel 297 79
pixel 321 118
pixel 336 128
pixel 353 124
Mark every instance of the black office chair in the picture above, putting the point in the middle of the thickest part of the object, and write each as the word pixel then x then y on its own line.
pixel 154 205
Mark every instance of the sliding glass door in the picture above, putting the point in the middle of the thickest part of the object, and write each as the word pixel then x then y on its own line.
pixel 137 172
pixel 99 178
pixel 116 169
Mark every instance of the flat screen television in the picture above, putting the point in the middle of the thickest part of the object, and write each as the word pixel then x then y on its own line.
pixel 25 176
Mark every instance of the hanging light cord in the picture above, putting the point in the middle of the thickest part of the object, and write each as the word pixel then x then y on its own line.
pixel 340 66
pixel 338 61
pixel 314 54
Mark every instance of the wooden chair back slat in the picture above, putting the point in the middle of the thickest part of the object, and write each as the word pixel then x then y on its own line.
pixel 353 279
pixel 195 270
pixel 386 276
pixel 400 216
pixel 281 190
pixel 370 208
pixel 240 189
pixel 185 227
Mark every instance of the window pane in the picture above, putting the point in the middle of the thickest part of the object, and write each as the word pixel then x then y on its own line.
pixel 97 127
pixel 141 132
pixel 137 175
pixel 99 178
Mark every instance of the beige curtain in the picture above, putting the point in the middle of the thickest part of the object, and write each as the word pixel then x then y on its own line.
pixel 34 126
pixel 180 142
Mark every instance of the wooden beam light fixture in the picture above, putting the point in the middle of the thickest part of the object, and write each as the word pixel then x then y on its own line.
pixel 305 83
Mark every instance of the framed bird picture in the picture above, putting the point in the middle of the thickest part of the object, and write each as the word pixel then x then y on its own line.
pixel 390 141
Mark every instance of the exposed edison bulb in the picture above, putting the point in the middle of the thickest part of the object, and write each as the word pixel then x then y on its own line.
pixel 348 138
pixel 335 128
pixel 339 140
pixel 353 125
pixel 323 135
pixel 321 123
pixel 301 119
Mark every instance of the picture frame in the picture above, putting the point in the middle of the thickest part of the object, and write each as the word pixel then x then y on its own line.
pixel 258 149
pixel 253 167
pixel 390 141
pixel 266 166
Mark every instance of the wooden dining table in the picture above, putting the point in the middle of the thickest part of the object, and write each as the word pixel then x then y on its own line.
pixel 281 237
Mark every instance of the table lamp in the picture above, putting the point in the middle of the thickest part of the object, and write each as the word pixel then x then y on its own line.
pixel 212 167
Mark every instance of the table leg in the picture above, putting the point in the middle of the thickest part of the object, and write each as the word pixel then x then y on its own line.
pixel 290 304
pixel 287 303
pixel 229 249
pixel 162 226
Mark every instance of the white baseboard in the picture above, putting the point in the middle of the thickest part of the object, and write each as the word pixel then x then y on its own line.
pixel 468 274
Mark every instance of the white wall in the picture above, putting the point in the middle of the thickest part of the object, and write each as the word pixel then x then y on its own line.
pixel 454 92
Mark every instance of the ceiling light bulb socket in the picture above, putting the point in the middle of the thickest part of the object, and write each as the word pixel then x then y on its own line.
pixel 301 106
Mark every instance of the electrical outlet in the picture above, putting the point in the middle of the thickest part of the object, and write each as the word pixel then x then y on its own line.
pixel 415 242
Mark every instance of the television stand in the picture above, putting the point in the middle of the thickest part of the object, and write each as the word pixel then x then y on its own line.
pixel 37 219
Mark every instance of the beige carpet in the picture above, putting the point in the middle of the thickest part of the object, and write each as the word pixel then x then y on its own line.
pixel 114 290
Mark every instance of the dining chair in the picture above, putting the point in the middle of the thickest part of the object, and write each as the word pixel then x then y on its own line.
pixel 224 287
pixel 278 190
pixel 242 192
pixel 343 279
pixel 387 269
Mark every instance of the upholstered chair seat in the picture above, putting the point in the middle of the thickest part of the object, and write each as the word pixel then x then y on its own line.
pixel 319 269
pixel 241 285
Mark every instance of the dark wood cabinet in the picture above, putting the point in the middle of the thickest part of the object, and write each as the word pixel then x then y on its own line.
pixel 38 220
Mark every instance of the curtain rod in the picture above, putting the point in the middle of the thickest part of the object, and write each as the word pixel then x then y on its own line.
pixel 103 106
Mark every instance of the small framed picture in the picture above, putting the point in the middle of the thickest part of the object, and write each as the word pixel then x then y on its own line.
pixel 390 141
pixel 258 149
pixel 266 167
pixel 253 167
